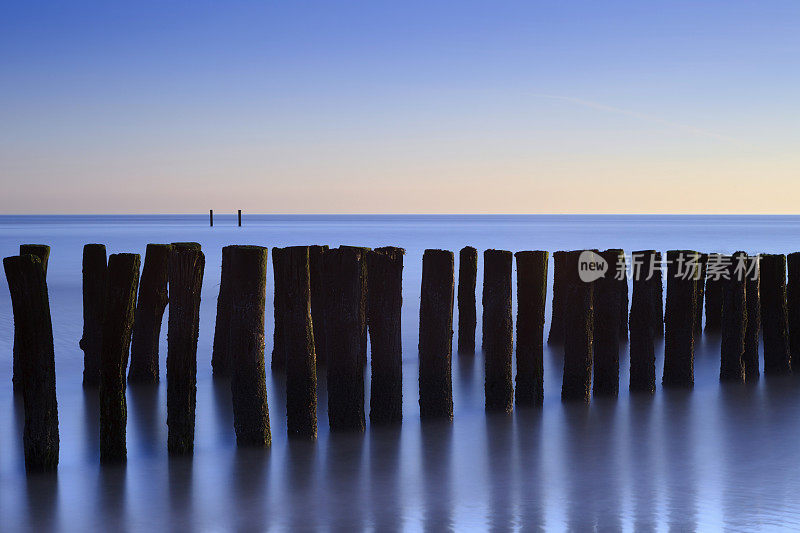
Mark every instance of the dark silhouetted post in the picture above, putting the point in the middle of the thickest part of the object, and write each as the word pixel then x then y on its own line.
pixel 498 330
pixel 607 301
pixel 211 217
pixel 700 295
pixel 683 269
pixel 621 277
pixel 774 319
pixel 713 294
pixel 385 300
pixel 95 272
pixel 34 337
pixel 123 280
pixel 734 320
pixel 531 299
pixel 657 288
pixel 436 335
pixel 750 357
pixel 556 335
pixel 578 333
pixel 319 312
pixel 153 298
pixel 278 298
pixel 186 265
pixel 240 217
pixel 247 286
pixel 363 311
pixel 42 251
pixel 643 321
pixel 467 279
pixel 220 354
pixel 793 306
pixel 345 269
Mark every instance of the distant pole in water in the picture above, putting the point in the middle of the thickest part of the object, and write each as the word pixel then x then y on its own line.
pixel 298 335
pixel 123 280
pixel 34 336
pixel 186 265
pixel 734 320
pixel 498 330
pixel 385 301
pixel 247 285
pixel 467 280
pixel 211 217
pixel 607 302
pixel 643 321
pixel 345 270
pixel 42 251
pixel 531 301
pixel 240 218
pixel 700 296
pixel 793 306
pixel 556 335
pixel 683 269
pixel 278 304
pixel 95 272
pixel 713 295
pixel 153 297
pixel 578 332
pixel 774 319
pixel 751 357
pixel 436 335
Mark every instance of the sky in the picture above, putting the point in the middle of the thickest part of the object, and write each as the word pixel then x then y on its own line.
pixel 372 106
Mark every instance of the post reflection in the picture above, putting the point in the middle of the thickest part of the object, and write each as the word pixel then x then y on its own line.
pixel 384 478
pixel 436 451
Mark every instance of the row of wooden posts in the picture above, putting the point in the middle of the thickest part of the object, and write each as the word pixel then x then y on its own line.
pixel 326 302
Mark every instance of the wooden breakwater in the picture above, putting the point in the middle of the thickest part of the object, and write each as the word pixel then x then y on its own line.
pixel 329 301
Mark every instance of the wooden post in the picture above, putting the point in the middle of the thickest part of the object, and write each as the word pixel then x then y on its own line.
pixel 436 335
pixel 774 319
pixel 467 280
pixel 240 217
pixel 34 336
pixel 123 280
pixel 683 269
pixel 556 335
pixel 621 278
pixel 713 295
pixel 657 288
pixel 247 286
pixel 752 293
pixel 278 300
pixel 643 321
pixel 498 330
pixel 578 333
pixel 186 265
pixel 211 217
pixel 345 269
pixel 793 306
pixel 700 296
pixel 607 302
pixel 95 273
pixel 153 298
pixel 42 251
pixel 298 334
pixel 385 300
pixel 220 354
pixel 319 311
pixel 531 300
pixel 734 320
pixel 363 312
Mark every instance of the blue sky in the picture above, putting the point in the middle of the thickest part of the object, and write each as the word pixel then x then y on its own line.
pixel 401 107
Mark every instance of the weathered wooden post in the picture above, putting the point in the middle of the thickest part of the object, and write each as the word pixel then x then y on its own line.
pixel 682 272
pixel 643 320
pixel 186 265
pixel 607 301
pixel 578 332
pixel 247 286
pixel 734 320
pixel 211 217
pixel 556 335
pixel 34 336
pixel 793 306
pixel 220 352
pixel 657 288
pixel 240 217
pixel 319 311
pixel 531 301
pixel 498 330
pixel 278 300
pixel 42 251
pixel 153 298
pixel 363 311
pixel 700 295
pixel 436 335
pixel 123 280
pixel 713 294
pixel 621 277
pixel 467 280
pixel 774 319
pixel 95 273
pixel 385 300
pixel 345 269
pixel 298 335
pixel 752 293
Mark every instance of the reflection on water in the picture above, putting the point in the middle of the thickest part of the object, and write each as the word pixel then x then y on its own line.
pixel 719 456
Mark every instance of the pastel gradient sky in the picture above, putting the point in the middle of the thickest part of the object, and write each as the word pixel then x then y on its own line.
pixel 371 106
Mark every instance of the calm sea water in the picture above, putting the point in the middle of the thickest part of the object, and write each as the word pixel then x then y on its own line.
pixel 720 456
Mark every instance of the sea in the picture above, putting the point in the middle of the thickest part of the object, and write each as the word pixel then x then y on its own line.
pixel 718 457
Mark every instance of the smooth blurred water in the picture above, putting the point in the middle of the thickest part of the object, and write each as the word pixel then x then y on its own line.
pixel 719 456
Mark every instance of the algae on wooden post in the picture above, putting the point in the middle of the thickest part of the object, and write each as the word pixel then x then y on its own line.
pixel 467 280
pixel 95 272
pixel 152 300
pixel 31 307
pixel 531 300
pixel 123 280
